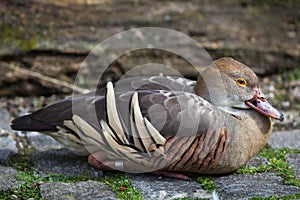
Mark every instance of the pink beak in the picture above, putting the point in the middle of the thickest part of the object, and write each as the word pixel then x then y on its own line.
pixel 259 103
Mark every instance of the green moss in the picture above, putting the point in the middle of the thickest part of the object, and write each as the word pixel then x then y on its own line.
pixel 30 188
pixel 278 165
pixel 65 179
pixel 252 170
pixel 293 74
pixel 17 38
pixel 279 96
pixel 288 197
pixel 193 13
pixel 206 182
pixel 24 191
pixel 120 184
pixel 21 163
pixel 187 198
pixel 276 157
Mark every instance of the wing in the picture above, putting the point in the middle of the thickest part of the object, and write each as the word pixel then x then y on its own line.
pixel 91 107
pixel 49 117
pixel 154 83
pixel 181 113
pixel 88 105
pixel 110 136
pixel 145 145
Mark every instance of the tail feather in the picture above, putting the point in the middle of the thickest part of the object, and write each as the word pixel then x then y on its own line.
pixel 45 119
pixel 27 123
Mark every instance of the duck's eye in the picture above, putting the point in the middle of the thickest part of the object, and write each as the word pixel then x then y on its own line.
pixel 241 82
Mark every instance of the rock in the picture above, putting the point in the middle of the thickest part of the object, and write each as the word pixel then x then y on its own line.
pixel 244 186
pixel 7 142
pixel 63 162
pixel 285 139
pixel 155 187
pixel 257 161
pixel 79 190
pixel 7 148
pixel 290 121
pixel 6 155
pixel 5 120
pixel 42 142
pixel 294 161
pixel 8 178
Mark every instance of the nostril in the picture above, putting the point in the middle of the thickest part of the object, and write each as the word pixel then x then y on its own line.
pixel 262 99
pixel 254 102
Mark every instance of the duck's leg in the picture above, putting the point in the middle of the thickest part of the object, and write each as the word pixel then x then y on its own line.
pixel 94 162
pixel 172 175
pixel 109 166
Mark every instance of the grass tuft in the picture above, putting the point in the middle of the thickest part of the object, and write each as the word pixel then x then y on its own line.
pixel 276 157
pixel 287 197
pixel 30 188
pixel 206 182
pixel 120 184
pixel 278 165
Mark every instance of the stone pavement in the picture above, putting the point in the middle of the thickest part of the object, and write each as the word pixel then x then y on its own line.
pixel 49 159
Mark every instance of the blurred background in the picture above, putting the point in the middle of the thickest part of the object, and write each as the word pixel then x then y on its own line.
pixel 43 43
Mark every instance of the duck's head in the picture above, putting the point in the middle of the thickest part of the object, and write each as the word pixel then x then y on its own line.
pixel 231 84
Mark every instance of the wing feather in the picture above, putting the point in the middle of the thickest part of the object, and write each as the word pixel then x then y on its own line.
pixel 144 137
pixel 112 113
pixel 157 137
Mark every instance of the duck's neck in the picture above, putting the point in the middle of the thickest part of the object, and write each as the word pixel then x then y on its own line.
pixel 211 89
pixel 201 89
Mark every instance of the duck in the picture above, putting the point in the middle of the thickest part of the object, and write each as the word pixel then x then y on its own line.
pixel 212 125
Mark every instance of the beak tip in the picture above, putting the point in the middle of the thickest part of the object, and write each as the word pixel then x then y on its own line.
pixel 281 117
